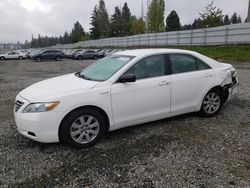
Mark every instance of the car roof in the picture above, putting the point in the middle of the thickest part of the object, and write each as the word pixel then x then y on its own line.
pixel 142 52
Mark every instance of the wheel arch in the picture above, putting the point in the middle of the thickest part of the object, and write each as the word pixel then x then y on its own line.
pixel 223 90
pixel 87 107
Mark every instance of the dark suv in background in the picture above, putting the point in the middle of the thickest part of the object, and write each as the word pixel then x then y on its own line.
pixel 49 55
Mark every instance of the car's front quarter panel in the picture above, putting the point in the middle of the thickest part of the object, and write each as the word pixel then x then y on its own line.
pixel 96 97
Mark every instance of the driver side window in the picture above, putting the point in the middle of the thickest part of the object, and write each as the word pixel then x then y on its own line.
pixel 152 66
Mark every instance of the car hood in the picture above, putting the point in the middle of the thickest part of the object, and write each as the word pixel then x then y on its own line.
pixel 54 88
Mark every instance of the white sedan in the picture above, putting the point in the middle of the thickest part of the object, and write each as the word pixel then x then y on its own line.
pixel 13 55
pixel 127 88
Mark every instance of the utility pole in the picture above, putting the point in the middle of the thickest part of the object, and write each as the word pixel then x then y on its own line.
pixel 142 10
pixel 248 15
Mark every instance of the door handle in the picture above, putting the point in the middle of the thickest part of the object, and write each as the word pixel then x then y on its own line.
pixel 163 83
pixel 208 75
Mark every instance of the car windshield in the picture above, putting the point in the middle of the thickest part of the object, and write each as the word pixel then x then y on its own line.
pixel 105 68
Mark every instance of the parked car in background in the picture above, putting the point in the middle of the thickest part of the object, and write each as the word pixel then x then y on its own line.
pixel 33 53
pixel 48 55
pixel 121 90
pixel 85 54
pixel 70 53
pixel 110 52
pixel 13 55
pixel 100 53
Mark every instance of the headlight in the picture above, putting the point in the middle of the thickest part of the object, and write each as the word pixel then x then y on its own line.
pixel 40 107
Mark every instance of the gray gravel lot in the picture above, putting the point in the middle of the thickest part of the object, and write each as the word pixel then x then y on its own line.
pixel 185 151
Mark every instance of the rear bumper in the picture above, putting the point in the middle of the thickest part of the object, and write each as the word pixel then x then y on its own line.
pixel 232 89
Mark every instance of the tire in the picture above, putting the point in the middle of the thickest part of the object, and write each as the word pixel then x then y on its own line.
pixel 80 57
pixel 20 57
pixel 2 58
pixel 95 57
pixel 76 132
pixel 38 59
pixel 212 103
pixel 58 58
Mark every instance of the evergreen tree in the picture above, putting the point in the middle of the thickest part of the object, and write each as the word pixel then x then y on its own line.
pixel 99 21
pixel 116 23
pixel 66 38
pixel 103 19
pixel 197 24
pixel 155 16
pixel 234 18
pixel 211 16
pixel 227 20
pixel 173 22
pixel 95 30
pixel 77 32
pixel 239 19
pixel 126 15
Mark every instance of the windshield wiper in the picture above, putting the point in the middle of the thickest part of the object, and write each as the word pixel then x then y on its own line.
pixel 82 76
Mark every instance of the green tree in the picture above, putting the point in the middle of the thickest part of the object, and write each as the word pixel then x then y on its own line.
pixel 234 18
pixel 103 19
pixel 138 26
pixel 227 20
pixel 99 21
pixel 126 15
pixel 116 23
pixel 173 22
pixel 197 24
pixel 239 19
pixel 66 39
pixel 211 16
pixel 95 29
pixel 155 16
pixel 77 32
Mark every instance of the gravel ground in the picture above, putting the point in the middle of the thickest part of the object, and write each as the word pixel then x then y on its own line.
pixel 185 151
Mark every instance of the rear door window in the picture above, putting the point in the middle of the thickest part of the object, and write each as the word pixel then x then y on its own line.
pixel 182 63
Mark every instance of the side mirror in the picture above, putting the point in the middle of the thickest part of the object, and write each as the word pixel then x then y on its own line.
pixel 127 78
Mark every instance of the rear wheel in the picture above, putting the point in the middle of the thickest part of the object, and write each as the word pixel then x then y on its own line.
pixel 95 57
pixel 38 59
pixel 58 58
pixel 20 57
pixel 82 128
pixel 212 103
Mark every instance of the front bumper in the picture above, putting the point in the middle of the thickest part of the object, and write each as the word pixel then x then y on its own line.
pixel 41 127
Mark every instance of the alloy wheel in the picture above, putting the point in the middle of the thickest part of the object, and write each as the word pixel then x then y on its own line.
pixel 84 129
pixel 211 103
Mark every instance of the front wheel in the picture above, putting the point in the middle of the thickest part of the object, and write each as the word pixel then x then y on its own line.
pixel 82 128
pixel 212 103
pixel 20 57
pixel 80 57
pixel 2 58
pixel 58 58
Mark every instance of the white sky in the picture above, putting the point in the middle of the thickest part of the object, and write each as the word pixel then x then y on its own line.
pixel 19 19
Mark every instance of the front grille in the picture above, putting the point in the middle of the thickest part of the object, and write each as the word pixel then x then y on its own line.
pixel 18 105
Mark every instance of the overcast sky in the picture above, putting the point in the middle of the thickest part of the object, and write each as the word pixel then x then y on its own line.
pixel 19 19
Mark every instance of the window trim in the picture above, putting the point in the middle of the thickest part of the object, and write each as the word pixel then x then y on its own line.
pixel 188 55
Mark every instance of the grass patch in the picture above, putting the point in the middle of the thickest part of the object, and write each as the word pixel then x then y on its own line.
pixel 224 53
